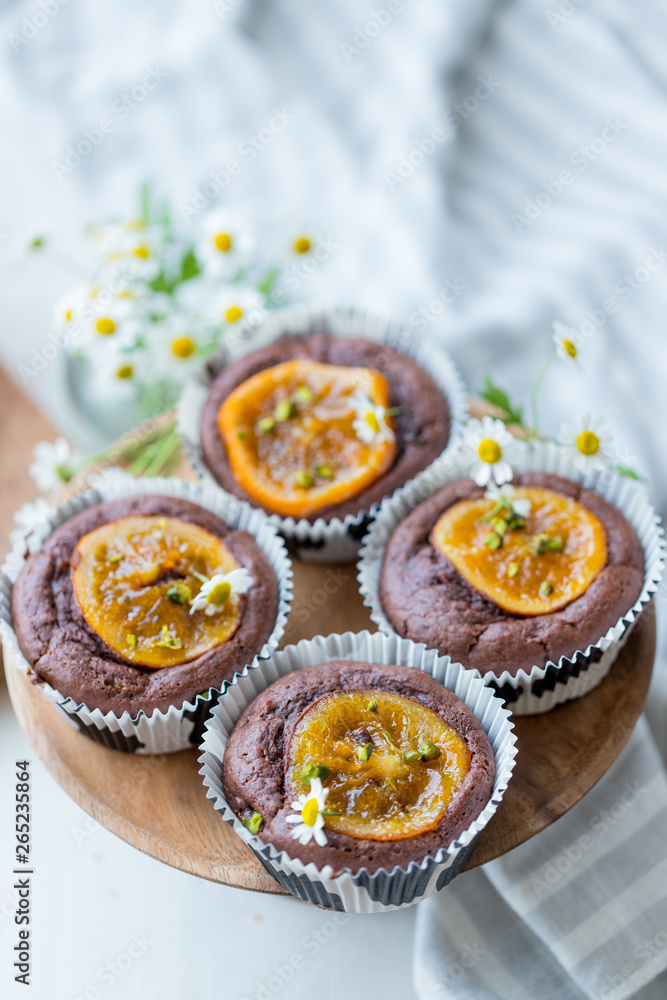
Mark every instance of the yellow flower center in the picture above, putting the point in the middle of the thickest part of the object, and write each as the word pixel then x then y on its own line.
pixel 182 347
pixel 489 451
pixel 588 443
pixel 125 371
pixel 68 315
pixel 220 593
pixel 142 252
pixel 372 421
pixel 569 348
pixel 105 326
pixel 223 242
pixel 233 314
pixel 310 812
pixel 302 244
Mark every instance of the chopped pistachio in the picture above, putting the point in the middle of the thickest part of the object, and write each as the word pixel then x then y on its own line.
pixel 364 753
pixel 412 756
pixel 241 435
pixel 324 471
pixel 546 588
pixel 493 540
pixel 180 593
pixel 389 736
pixel 131 639
pixel 539 544
pixel 219 594
pixel 266 425
pixel 428 750
pixel 316 769
pixel 372 705
pixel 556 544
pixel 254 824
pixel 516 521
pixel 512 570
pixel 303 394
pixel 115 558
pixel 499 525
pixel 167 640
pixel 303 478
pixel 285 409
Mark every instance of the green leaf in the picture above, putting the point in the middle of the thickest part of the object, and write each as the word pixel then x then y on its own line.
pixel 498 397
pixel 189 266
pixel 268 281
pixel 623 470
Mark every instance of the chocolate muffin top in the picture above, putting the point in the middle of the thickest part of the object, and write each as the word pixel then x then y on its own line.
pixel 426 598
pixel 65 651
pixel 422 426
pixel 256 763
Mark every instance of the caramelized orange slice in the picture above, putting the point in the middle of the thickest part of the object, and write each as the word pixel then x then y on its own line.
pixel 374 791
pixel 535 569
pixel 292 439
pixel 134 578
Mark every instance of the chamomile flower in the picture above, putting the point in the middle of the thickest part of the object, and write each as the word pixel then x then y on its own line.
pixel 565 341
pixel 107 316
pixel 217 591
pixel 237 306
pixel 174 345
pixel 308 815
pixel 520 505
pixel 491 446
pixel 225 243
pixel 589 442
pixel 370 421
pixel 53 464
pixel 68 310
pixel 29 517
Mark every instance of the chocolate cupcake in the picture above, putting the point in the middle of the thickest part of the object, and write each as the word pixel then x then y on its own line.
pixel 140 607
pixel 356 772
pixel 534 584
pixel 316 426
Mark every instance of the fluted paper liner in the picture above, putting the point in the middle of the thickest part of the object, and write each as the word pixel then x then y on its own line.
pixel 177 728
pixel 541 688
pixel 361 892
pixel 336 540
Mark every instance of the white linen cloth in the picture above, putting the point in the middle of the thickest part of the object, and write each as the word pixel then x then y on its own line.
pixel 483 167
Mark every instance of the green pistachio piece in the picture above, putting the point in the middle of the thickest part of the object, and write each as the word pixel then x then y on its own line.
pixel 364 753
pixel 304 479
pixel 168 641
pixel 539 544
pixel 285 409
pixel 266 425
pixel 114 559
pixel 324 471
pixel 493 540
pixel 180 593
pixel 219 594
pixel 389 736
pixel 131 639
pixel 303 394
pixel 428 750
pixel 373 706
pixel 512 570
pixel 515 522
pixel 556 544
pixel 315 769
pixel 241 435
pixel 546 588
pixel 412 756
pixel 254 824
pixel 499 525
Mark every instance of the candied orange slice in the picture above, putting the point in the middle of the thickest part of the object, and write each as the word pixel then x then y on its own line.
pixel 534 569
pixel 134 578
pixel 291 437
pixel 363 738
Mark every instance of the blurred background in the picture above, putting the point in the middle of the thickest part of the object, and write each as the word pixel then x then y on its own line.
pixel 477 169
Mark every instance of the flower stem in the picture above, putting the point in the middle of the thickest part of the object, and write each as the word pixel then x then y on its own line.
pixel 539 378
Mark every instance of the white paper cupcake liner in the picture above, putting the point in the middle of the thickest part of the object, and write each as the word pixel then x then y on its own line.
pixel 336 540
pixel 362 892
pixel 177 728
pixel 541 688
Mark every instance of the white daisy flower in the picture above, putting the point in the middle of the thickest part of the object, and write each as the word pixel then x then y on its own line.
pixel 309 809
pixel 29 517
pixel 13 565
pixel 174 345
pixel 491 444
pixel 565 341
pixel 53 464
pixel 67 313
pixel 520 505
pixel 137 252
pixel 216 591
pixel 104 317
pixel 370 421
pixel 589 442
pixel 237 306
pixel 225 243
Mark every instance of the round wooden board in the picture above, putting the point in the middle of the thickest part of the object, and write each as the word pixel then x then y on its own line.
pixel 159 804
